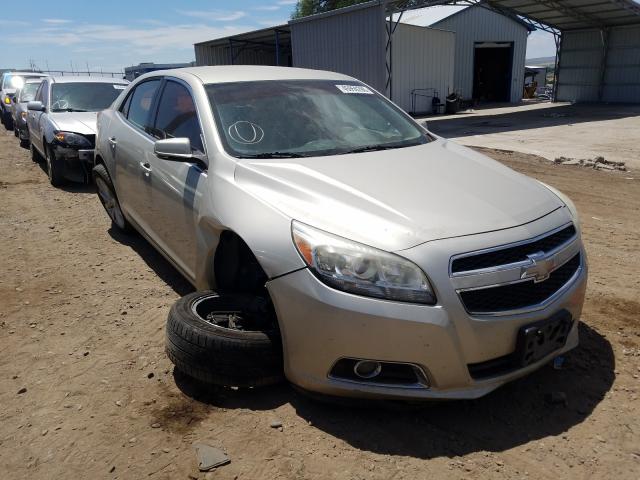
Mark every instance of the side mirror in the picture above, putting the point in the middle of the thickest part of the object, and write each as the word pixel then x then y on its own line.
pixel 178 149
pixel 35 106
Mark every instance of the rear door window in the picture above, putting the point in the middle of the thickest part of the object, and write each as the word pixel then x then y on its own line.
pixel 177 116
pixel 141 103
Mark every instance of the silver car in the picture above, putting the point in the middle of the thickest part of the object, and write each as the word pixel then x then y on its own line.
pixel 62 123
pixel 8 84
pixel 22 97
pixel 399 264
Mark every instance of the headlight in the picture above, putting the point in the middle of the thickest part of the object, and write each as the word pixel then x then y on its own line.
pixel 360 269
pixel 7 100
pixel 72 140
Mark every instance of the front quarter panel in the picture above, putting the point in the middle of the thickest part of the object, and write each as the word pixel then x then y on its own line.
pixel 266 231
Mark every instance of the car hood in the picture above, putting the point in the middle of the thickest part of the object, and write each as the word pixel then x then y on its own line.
pixel 396 199
pixel 76 122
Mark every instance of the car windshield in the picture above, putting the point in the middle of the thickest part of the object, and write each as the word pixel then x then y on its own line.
pixel 16 81
pixel 302 118
pixel 28 92
pixel 83 96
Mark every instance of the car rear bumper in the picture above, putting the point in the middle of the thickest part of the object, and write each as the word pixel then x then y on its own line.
pixel 320 326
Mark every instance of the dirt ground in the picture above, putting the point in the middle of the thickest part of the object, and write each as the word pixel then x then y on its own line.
pixel 87 392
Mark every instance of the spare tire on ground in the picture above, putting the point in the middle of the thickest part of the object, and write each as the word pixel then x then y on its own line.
pixel 225 339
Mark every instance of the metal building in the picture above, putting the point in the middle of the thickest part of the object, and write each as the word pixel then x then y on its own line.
pixel 490 54
pixel 598 47
pixel 268 46
pixel 423 62
pixel 414 69
pixel 597 42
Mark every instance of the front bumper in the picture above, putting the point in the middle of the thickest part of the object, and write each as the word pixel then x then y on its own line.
pixel 21 127
pixel 77 164
pixel 320 326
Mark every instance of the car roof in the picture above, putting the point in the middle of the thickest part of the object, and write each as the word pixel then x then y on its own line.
pixel 87 79
pixel 33 74
pixel 33 80
pixel 248 73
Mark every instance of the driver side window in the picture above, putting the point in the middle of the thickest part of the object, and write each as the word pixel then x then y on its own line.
pixel 177 116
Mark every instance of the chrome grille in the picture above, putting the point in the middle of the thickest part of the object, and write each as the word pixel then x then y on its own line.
pixel 519 295
pixel 518 277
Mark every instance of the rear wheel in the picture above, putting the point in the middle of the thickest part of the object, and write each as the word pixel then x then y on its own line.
pixel 54 167
pixel 108 198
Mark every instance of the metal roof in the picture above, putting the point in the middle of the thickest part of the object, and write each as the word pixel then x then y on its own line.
pixel 575 14
pixel 264 35
pixel 558 14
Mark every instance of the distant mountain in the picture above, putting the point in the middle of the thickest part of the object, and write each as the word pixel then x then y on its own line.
pixel 541 61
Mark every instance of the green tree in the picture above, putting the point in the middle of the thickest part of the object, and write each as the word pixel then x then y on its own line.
pixel 305 8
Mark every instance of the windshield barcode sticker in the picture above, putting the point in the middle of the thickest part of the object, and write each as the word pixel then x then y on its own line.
pixel 119 87
pixel 354 89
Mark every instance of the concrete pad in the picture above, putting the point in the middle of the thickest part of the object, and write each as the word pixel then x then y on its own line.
pixel 549 130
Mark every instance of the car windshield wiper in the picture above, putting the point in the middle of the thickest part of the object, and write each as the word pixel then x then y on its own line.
pixel 375 148
pixel 275 155
pixel 69 110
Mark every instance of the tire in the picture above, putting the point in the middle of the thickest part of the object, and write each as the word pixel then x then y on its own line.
pixel 220 355
pixel 35 155
pixel 8 121
pixel 54 167
pixel 15 133
pixel 109 199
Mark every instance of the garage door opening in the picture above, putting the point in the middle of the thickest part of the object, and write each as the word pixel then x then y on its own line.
pixel 493 63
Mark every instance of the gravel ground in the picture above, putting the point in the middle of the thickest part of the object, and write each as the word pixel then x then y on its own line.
pixel 87 391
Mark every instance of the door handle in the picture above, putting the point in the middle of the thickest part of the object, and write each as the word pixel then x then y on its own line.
pixel 146 166
pixel 112 140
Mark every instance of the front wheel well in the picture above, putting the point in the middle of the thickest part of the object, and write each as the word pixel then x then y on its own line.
pixel 236 268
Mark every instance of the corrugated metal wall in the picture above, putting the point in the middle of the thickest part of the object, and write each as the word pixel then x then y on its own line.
pixel 208 54
pixel 350 42
pixel 477 24
pixel 422 58
pixel 581 66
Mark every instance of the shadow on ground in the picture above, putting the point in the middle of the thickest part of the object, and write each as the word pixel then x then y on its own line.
pixel 466 124
pixel 72 186
pixel 513 415
pixel 153 259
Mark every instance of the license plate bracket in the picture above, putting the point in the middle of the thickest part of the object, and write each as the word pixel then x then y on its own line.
pixel 537 340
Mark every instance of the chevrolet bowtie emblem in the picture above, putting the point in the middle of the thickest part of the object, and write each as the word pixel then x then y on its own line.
pixel 539 269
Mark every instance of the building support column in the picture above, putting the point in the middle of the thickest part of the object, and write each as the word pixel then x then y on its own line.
pixel 604 35
pixel 556 73
pixel 390 27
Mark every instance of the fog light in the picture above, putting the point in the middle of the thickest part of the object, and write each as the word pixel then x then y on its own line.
pixel 367 369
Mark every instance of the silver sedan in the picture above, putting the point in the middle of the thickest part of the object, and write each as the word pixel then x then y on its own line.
pixel 399 264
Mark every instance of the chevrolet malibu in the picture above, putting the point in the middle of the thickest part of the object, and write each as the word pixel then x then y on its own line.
pixel 332 238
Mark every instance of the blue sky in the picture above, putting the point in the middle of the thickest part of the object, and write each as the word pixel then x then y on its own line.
pixel 110 35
